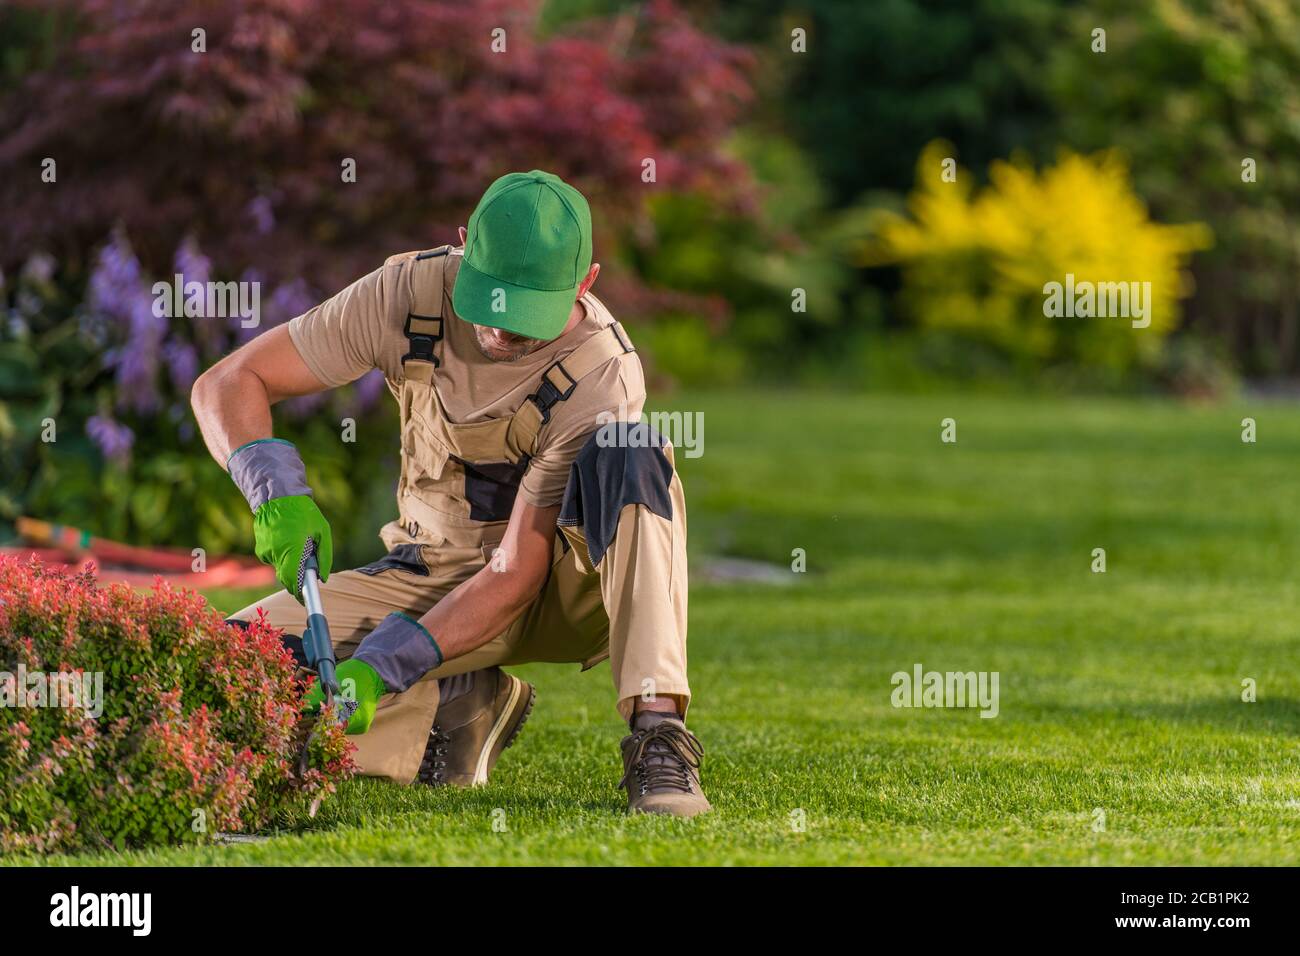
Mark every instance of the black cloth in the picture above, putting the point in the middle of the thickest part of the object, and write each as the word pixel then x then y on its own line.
pixel 623 463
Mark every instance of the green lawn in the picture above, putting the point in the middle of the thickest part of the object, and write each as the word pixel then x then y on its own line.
pixel 1119 691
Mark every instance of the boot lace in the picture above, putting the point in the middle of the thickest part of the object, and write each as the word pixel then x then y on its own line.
pixel 665 758
pixel 431 767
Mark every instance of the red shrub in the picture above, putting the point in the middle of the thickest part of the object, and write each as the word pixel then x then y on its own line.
pixel 193 730
pixel 240 146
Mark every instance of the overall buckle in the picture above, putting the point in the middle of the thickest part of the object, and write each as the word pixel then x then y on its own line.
pixel 548 393
pixel 422 341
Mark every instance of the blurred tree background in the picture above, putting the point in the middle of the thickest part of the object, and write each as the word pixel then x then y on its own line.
pixel 1205 86
pixel 778 171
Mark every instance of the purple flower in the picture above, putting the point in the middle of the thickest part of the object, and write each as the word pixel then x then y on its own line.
pixel 262 214
pixel 191 263
pixel 304 405
pixel 365 393
pixel 289 300
pixel 236 323
pixel 116 278
pixel 113 438
pixel 370 387
pixel 193 266
pixel 137 364
pixel 121 306
pixel 182 363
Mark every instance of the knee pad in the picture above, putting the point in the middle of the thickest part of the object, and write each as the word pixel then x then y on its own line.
pixel 622 463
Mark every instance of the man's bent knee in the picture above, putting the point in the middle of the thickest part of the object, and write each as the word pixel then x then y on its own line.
pixel 622 463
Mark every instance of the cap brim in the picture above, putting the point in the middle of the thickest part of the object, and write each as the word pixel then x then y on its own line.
pixel 487 300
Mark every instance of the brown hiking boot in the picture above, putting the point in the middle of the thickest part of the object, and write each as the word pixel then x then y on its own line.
pixel 661 767
pixel 471 730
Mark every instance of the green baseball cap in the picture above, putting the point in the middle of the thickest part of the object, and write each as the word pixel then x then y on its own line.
pixel 527 247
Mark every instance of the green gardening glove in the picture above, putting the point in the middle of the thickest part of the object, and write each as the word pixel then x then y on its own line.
pixel 361 683
pixel 274 481
pixel 281 529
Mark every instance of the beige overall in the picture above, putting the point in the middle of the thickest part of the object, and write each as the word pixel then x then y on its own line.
pixel 629 607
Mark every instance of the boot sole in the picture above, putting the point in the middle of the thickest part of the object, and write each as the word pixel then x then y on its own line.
pixel 507 727
pixel 668 812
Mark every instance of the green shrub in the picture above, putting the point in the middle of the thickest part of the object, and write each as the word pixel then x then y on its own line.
pixel 1201 96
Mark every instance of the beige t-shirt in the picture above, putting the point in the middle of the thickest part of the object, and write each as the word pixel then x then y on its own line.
pixel 360 329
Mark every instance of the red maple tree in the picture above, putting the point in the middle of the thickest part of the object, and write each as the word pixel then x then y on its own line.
pixel 241 147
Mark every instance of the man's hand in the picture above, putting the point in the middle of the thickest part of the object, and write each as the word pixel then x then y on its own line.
pixel 281 529
pixel 232 402
pixel 273 479
pixel 361 684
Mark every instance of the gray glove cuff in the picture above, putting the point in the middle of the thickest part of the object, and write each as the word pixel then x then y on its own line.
pixel 267 468
pixel 400 650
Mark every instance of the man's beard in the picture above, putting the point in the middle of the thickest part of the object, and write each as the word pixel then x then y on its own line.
pixel 494 350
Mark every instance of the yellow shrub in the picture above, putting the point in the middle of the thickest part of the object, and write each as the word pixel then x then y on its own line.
pixel 981 261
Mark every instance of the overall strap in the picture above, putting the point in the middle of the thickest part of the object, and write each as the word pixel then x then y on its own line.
pixel 558 383
pixel 423 328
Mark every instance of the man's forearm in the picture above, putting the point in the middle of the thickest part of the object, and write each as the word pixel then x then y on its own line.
pixel 402 650
pixel 232 408
pixel 479 609
pixel 232 400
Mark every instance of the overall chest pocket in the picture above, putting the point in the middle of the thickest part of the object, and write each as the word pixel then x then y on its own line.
pixel 424 452
pixel 426 431
pixel 471 463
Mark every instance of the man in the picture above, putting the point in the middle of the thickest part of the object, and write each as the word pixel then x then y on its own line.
pixel 535 524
